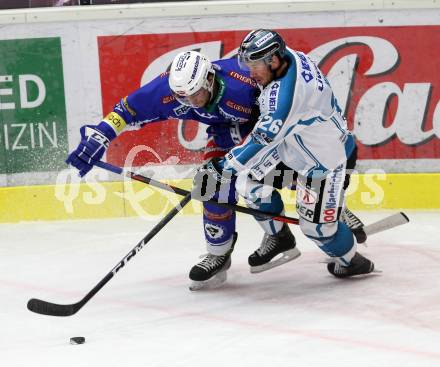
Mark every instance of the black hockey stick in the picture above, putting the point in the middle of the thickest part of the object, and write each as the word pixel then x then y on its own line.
pixel 183 192
pixel 384 224
pixel 54 309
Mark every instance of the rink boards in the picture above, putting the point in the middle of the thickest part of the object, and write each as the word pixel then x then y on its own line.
pixel 125 199
pixel 65 67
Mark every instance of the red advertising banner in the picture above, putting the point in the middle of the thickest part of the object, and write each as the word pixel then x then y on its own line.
pixel 385 79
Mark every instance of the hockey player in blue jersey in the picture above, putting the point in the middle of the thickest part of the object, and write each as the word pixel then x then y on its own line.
pixel 300 127
pixel 217 94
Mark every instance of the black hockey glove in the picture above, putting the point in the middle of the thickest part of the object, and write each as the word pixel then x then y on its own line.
pixel 208 180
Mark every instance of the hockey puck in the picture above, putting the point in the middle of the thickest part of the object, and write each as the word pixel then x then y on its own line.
pixel 77 340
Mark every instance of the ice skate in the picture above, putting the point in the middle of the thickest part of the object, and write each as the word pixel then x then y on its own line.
pixel 211 271
pixel 359 265
pixel 282 243
pixel 355 224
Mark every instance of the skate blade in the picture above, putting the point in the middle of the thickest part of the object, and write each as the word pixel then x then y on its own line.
pixel 286 257
pixel 374 271
pixel 214 282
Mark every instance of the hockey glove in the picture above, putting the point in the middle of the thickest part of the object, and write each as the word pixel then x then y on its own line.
pixel 208 180
pixel 94 142
pixel 227 136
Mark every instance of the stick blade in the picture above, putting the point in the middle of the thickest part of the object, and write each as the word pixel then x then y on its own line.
pixel 52 309
pixel 386 223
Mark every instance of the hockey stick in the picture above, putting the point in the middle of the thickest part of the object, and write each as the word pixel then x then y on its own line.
pixel 183 192
pixel 54 309
pixel 384 224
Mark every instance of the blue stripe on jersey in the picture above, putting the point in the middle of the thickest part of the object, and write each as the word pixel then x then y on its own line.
pixel 338 125
pixel 310 121
pixel 334 102
pixel 262 159
pixel 318 165
pixel 318 230
pixel 245 152
pixel 307 122
pixel 289 130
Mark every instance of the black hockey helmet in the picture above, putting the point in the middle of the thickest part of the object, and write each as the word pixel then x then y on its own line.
pixel 261 45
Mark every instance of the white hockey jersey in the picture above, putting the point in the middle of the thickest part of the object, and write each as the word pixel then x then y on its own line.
pixel 300 124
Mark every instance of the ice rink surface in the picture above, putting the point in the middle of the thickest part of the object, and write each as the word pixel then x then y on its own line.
pixel 294 315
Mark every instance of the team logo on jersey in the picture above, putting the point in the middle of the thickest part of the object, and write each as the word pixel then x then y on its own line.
pixel 181 110
pixel 243 79
pixel 214 231
pixel 239 108
pixel 168 99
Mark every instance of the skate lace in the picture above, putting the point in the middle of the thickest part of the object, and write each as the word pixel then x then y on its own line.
pixel 268 244
pixel 211 262
pixel 351 220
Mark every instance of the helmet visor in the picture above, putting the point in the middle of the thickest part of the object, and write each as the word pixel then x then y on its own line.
pixel 195 100
pixel 258 65
pixel 247 59
pixel 242 62
pixel 182 99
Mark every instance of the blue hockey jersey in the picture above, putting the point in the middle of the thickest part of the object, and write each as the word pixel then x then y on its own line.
pixel 230 114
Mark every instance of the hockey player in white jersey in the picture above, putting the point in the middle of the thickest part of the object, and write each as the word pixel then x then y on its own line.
pixel 300 127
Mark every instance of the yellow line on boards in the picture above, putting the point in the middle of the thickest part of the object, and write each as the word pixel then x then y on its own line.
pixel 124 199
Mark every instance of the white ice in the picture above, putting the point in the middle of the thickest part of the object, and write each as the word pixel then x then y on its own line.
pixel 294 315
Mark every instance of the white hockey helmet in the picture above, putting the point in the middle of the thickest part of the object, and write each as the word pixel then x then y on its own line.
pixel 188 74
